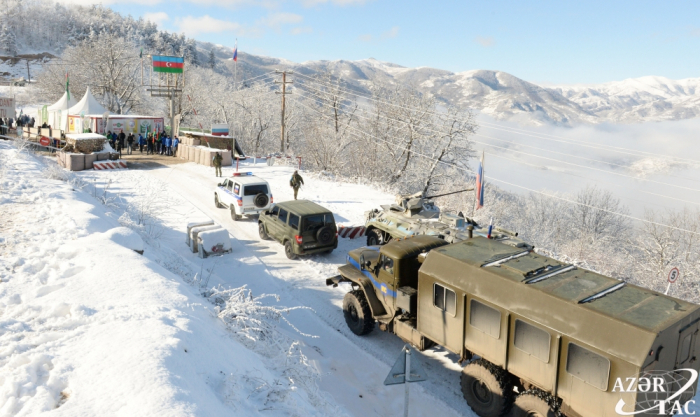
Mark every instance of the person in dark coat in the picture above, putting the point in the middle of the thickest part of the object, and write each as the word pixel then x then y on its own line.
pixel 129 143
pixel 296 182
pixel 119 146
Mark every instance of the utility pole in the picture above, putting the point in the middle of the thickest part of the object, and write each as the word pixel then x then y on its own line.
pixel 284 92
pixel 29 76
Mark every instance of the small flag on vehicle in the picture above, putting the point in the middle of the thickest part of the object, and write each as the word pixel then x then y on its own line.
pixel 479 186
pixel 488 234
pixel 170 64
pixel 67 91
pixel 235 52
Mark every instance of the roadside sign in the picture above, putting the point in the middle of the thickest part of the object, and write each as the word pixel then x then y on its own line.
pixel 44 141
pixel 397 375
pixel 673 275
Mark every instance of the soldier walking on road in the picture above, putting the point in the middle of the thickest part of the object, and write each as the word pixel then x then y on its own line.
pixel 217 163
pixel 296 182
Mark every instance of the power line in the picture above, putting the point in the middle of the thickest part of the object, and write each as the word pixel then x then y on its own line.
pixel 528 133
pixel 539 156
pixel 514 185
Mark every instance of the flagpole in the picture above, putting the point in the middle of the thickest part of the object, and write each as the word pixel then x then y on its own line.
pixel 478 188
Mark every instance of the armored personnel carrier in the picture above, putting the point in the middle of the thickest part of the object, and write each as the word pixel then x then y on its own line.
pixel 573 342
pixel 416 214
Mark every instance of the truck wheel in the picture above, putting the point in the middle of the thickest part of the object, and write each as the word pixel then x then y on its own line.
pixel 261 231
pixel 217 204
pixel 533 403
pixel 261 200
pixel 372 238
pixel 289 250
pixel 358 316
pixel 487 388
pixel 234 216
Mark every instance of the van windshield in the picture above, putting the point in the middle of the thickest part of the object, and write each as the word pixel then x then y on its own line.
pixel 316 221
pixel 255 189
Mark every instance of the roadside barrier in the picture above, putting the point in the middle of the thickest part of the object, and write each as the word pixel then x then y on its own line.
pixel 351 232
pixel 104 165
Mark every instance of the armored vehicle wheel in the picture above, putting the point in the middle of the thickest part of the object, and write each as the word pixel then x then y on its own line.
pixel 487 388
pixel 261 200
pixel 289 250
pixel 533 403
pixel 234 216
pixel 358 316
pixel 372 238
pixel 261 231
pixel 324 235
pixel 217 204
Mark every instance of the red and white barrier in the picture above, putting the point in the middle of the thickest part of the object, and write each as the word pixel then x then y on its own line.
pixel 102 165
pixel 351 232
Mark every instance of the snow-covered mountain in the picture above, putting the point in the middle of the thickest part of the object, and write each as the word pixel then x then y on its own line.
pixel 505 96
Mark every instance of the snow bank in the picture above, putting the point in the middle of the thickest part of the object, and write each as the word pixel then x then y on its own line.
pixel 214 242
pixel 89 327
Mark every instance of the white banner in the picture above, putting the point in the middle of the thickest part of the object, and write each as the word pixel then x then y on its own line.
pixel 7 107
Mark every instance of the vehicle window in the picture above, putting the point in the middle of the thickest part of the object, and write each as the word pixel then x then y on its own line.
pixel 294 221
pixel 228 185
pixel 237 189
pixel 532 340
pixel 223 184
pixel 485 318
pixel 685 348
pixel 445 299
pixel 316 221
pixel 255 189
pixel 588 366
pixel 275 211
pixel 283 215
pixel 388 265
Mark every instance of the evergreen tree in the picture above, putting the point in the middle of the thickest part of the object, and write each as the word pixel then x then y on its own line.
pixel 8 41
pixel 212 59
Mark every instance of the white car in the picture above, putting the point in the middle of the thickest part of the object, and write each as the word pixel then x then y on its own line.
pixel 244 194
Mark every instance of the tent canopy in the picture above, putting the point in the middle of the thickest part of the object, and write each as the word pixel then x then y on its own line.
pixel 87 105
pixel 63 103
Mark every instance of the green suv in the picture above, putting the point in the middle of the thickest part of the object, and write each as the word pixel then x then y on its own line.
pixel 302 226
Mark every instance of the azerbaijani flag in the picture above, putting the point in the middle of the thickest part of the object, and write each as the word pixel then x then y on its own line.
pixel 171 64
pixel 67 91
pixel 479 186
pixel 235 52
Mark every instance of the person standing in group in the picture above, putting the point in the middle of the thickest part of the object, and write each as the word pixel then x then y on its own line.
pixel 119 147
pixel 175 143
pixel 168 146
pixel 149 144
pixel 217 163
pixel 141 142
pixel 129 143
pixel 296 182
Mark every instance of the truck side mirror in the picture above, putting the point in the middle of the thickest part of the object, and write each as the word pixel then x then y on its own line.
pixel 368 264
pixel 362 262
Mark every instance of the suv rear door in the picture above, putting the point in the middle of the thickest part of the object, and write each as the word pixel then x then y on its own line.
pixel 250 191
pixel 310 226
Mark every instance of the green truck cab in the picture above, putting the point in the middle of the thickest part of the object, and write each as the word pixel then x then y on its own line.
pixel 552 338
pixel 302 226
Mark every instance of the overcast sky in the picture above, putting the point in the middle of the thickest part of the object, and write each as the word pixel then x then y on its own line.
pixel 547 42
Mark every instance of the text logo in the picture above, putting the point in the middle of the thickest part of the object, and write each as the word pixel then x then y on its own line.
pixel 659 392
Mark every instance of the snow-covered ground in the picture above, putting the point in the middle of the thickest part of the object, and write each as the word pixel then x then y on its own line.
pixel 90 327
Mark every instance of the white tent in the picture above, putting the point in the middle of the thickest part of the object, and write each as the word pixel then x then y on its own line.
pixel 87 105
pixel 58 112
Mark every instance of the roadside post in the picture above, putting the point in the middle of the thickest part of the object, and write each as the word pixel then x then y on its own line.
pixel 405 371
pixel 673 276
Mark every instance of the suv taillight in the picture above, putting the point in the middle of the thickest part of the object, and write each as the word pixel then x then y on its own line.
pixel 298 238
pixel 272 200
pixel 240 203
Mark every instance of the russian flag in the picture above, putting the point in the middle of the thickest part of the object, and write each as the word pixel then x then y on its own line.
pixel 479 186
pixel 235 52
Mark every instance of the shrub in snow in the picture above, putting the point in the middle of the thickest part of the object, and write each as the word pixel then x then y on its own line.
pixel 255 326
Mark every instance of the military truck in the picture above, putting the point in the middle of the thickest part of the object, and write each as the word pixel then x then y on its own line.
pixel 417 214
pixel 559 335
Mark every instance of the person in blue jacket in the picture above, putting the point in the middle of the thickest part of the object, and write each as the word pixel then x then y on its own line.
pixel 142 141
pixel 175 143
pixel 168 145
